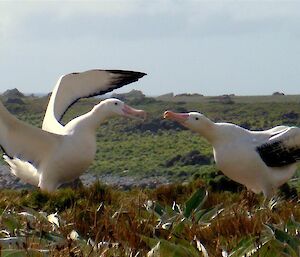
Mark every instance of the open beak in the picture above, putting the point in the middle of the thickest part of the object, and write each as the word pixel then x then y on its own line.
pixel 133 113
pixel 179 117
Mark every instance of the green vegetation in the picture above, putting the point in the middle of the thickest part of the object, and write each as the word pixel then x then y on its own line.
pixel 146 149
pixel 180 219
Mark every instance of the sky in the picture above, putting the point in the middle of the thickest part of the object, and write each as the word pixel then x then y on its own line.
pixel 207 47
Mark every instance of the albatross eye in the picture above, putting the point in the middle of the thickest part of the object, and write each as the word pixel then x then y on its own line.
pixel 196 118
pixel 116 103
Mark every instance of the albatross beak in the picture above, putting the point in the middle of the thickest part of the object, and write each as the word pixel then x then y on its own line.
pixel 134 113
pixel 179 117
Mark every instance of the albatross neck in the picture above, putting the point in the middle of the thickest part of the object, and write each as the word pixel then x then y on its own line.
pixel 208 130
pixel 89 121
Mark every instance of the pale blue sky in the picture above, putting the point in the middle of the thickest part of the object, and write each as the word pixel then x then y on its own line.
pixel 208 47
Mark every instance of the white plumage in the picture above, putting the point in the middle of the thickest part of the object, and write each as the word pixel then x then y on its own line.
pixel 58 154
pixel 260 160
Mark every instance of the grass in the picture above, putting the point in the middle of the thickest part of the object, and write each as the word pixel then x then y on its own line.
pixel 132 223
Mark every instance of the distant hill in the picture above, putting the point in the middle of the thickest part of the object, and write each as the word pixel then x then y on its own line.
pixel 165 96
pixel 231 98
pixel 13 93
pixel 133 94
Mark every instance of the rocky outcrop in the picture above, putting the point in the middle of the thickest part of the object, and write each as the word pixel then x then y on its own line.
pixel 13 93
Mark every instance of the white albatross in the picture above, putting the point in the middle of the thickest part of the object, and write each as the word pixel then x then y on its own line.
pixel 57 154
pixel 260 160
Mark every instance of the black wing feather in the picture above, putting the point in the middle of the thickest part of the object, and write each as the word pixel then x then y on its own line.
pixel 277 154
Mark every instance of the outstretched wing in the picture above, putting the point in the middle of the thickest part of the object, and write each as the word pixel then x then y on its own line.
pixel 21 140
pixel 71 87
pixel 281 149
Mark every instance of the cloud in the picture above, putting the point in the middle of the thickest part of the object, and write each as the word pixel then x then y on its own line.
pixel 139 20
pixel 176 42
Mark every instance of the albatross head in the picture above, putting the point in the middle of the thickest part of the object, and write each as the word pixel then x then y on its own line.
pixel 194 121
pixel 114 107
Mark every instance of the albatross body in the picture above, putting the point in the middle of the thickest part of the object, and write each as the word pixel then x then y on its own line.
pixel 260 160
pixel 59 153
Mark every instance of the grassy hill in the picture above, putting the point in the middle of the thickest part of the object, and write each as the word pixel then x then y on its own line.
pixel 157 147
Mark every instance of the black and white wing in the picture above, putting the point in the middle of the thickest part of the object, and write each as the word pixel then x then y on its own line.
pixel 281 149
pixel 71 87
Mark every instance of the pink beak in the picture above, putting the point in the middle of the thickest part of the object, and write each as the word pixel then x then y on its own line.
pixel 134 113
pixel 179 117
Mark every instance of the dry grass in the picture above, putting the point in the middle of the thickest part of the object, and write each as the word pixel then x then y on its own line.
pixel 119 218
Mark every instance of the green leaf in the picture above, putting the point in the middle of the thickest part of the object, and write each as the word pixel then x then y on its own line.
pixel 245 246
pixel 178 228
pixel 285 238
pixel 274 242
pixel 205 216
pixel 274 248
pixel 151 242
pixel 196 201
pixel 169 249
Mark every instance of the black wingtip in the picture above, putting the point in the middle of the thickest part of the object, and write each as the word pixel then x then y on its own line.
pixel 124 77
pixel 127 73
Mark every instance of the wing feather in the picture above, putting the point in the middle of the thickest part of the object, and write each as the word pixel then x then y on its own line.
pixel 71 87
pixel 24 141
pixel 281 149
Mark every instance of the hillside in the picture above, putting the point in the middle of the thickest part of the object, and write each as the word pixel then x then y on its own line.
pixel 159 148
pixel 275 98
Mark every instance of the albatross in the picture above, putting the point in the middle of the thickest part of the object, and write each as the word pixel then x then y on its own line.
pixel 58 153
pixel 260 160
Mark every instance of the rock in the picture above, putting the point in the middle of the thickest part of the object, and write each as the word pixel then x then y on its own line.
pixel 278 93
pixel 133 94
pixel 13 93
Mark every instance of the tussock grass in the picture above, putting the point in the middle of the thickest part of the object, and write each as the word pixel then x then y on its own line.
pixel 131 223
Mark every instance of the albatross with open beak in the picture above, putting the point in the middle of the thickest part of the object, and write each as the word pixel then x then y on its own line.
pixel 260 160
pixel 59 153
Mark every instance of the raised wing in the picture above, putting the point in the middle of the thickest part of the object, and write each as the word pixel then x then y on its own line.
pixel 71 87
pixel 21 140
pixel 281 149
